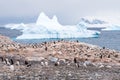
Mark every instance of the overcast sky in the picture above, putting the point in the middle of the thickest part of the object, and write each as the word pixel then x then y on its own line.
pixel 67 11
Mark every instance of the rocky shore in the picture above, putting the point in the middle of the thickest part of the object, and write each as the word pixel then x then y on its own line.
pixel 57 60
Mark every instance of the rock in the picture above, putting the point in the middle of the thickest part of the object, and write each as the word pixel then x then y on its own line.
pixel 60 52
pixel 12 67
pixel 35 58
pixel 108 66
pixel 53 59
pixel 101 66
pixel 88 63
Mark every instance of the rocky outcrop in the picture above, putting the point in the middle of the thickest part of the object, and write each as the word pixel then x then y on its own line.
pixel 57 60
pixel 7 45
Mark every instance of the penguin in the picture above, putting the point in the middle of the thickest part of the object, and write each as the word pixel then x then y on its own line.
pixel 26 63
pixel 45 48
pixel 7 61
pixel 2 59
pixel 75 60
pixel 11 62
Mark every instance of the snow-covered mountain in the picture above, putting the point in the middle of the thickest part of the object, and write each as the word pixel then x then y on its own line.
pixel 93 21
pixel 51 28
pixel 107 23
pixel 111 28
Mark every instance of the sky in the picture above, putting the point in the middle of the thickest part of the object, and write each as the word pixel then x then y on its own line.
pixel 67 11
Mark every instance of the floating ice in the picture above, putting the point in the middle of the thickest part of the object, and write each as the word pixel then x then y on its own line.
pixel 51 28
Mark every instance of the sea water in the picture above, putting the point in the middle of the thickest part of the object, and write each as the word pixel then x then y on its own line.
pixel 108 39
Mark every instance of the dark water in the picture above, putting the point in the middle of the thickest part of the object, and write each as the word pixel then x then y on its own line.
pixel 109 39
pixel 10 33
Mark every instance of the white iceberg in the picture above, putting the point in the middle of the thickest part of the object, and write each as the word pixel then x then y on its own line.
pixel 51 28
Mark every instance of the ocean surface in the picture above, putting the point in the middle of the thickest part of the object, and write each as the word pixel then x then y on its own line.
pixel 108 39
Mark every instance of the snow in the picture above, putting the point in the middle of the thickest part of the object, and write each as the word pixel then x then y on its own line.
pixel 108 23
pixel 111 28
pixel 51 28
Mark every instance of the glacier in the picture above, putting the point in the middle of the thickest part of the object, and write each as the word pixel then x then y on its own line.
pixel 51 28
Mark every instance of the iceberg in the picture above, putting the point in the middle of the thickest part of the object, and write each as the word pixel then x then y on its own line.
pixel 51 28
